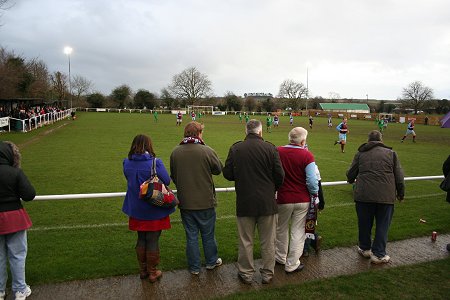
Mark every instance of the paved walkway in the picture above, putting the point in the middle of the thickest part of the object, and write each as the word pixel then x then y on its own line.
pixel 223 280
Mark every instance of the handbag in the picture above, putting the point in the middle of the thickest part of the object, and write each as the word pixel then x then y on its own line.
pixel 155 192
pixel 445 184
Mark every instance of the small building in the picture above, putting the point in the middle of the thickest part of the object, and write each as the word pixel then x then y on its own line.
pixel 345 107
pixel 259 96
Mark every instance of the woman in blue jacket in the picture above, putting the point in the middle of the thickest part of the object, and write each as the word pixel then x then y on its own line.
pixel 146 219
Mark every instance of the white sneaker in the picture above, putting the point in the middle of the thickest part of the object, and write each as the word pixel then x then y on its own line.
pixel 2 295
pixel 218 263
pixel 23 295
pixel 365 253
pixel 379 260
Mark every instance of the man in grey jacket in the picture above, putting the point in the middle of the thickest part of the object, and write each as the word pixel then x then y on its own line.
pixel 192 164
pixel 255 167
pixel 379 181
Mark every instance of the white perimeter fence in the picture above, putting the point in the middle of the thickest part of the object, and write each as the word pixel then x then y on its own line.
pixel 34 122
pixel 218 190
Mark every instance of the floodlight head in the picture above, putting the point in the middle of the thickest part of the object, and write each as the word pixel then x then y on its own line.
pixel 67 50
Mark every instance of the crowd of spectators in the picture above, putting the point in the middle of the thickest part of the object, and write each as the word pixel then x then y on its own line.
pixel 24 111
pixel 32 114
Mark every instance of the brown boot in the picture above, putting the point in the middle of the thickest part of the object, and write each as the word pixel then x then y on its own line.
pixel 152 262
pixel 142 259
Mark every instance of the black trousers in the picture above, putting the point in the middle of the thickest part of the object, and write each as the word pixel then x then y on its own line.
pixel 382 214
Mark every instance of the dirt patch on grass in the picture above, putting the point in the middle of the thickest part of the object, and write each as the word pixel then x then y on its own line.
pixel 44 132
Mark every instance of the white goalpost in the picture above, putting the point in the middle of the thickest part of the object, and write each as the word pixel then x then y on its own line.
pixel 204 109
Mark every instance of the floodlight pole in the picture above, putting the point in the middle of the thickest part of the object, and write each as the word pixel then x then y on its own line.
pixel 307 89
pixel 68 51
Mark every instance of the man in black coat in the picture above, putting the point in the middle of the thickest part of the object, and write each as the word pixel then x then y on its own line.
pixel 255 166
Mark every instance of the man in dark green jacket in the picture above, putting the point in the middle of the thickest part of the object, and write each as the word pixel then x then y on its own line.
pixel 255 167
pixel 379 181
pixel 192 165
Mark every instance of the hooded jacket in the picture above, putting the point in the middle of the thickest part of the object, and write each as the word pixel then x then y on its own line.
pixel 14 184
pixel 378 174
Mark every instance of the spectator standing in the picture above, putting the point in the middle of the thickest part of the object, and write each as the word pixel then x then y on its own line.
pixel 295 196
pixel 148 220
pixel 255 167
pixel 14 220
pixel 192 164
pixel 379 181
pixel 316 242
pixel 446 171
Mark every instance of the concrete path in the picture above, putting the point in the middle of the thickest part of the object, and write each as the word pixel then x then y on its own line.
pixel 223 280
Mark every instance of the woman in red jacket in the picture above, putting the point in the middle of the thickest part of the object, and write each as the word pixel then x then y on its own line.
pixel 14 220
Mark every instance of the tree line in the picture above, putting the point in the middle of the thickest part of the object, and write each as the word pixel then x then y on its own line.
pixel 30 78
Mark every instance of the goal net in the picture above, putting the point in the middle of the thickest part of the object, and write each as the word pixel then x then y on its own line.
pixel 204 109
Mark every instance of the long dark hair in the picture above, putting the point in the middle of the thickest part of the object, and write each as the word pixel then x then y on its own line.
pixel 141 143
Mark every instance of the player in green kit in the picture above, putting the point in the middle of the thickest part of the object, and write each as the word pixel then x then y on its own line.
pixel 269 123
pixel 155 116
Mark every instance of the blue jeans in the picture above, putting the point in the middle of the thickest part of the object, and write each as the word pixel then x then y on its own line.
pixel 13 247
pixel 203 221
pixel 382 213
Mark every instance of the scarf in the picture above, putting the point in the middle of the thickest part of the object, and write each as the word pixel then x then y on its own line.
pixel 311 218
pixel 192 140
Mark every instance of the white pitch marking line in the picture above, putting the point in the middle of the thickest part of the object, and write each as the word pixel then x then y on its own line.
pixel 225 217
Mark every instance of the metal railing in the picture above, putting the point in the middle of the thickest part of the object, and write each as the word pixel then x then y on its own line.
pixel 218 190
pixel 37 121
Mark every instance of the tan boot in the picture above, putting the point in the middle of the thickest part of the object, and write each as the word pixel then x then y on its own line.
pixel 152 262
pixel 142 260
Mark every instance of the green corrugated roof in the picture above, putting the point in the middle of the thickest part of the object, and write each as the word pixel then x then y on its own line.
pixel 344 106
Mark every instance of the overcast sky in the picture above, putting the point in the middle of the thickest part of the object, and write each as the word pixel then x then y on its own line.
pixel 354 48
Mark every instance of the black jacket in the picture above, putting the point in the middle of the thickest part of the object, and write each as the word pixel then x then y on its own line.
pixel 256 168
pixel 446 171
pixel 14 185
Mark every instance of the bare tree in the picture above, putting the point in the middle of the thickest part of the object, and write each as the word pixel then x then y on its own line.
pixel 415 95
pixel 294 91
pixel 81 85
pixel 190 85
pixel 333 96
pixel 4 6
pixel 39 72
pixel 167 99
pixel 59 84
